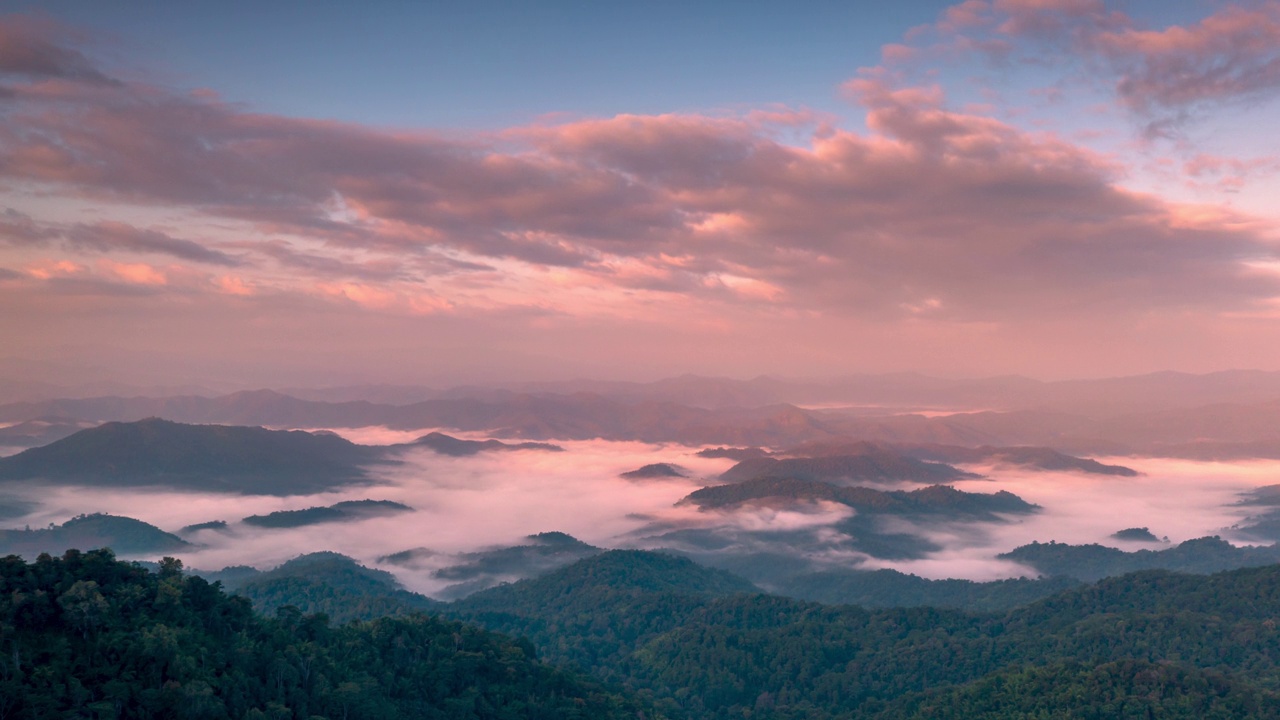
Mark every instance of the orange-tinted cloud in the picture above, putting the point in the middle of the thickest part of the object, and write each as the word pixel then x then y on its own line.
pixel 137 273
pixel 1234 53
pixel 932 215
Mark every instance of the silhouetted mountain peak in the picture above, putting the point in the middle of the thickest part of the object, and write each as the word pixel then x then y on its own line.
pixel 654 470
pixel 230 458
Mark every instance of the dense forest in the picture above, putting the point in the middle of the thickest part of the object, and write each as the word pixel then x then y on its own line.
pixel 87 636
pixel 701 647
pixel 658 635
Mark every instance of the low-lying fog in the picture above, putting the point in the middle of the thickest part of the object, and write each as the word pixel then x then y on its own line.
pixel 463 504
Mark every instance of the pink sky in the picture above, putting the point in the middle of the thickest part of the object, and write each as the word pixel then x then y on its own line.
pixel 1047 187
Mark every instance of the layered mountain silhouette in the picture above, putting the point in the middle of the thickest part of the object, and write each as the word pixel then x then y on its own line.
pixel 449 445
pixel 874 465
pixel 346 511
pixel 217 458
pixel 1144 416
pixel 1137 534
pixel 654 470
pixel 474 571
pixel 324 582
pixel 124 535
pixel 40 431
pixel 933 500
pixel 1093 562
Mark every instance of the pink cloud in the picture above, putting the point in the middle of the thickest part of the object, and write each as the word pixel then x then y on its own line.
pixel 967 14
pixel 1228 173
pixel 1234 53
pixel 1167 75
pixel 47 269
pixel 935 211
pixel 136 273
pixel 114 236
pixel 37 47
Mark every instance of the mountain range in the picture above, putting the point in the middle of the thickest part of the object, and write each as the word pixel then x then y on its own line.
pixel 219 458
pixel 1221 430
pixel 904 391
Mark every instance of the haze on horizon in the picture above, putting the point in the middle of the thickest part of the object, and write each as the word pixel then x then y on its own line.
pixel 243 197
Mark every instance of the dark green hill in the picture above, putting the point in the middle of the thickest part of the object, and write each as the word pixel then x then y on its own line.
pixel 1068 690
pixel 933 500
pixel 732 453
pixel 153 452
pixel 654 470
pixel 86 636
pixel 484 569
pixel 1036 458
pixel 596 613
pixel 874 465
pixel 87 532
pixel 345 511
pixel 330 583
pixel 1093 562
pixel 449 445
pixel 709 655
pixel 1030 457
pixel 802 660
pixel 631 572
pixel 1136 534
pixel 215 525
pixel 890 588
pixel 1153 644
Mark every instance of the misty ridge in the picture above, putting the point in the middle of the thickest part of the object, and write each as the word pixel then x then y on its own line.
pixel 524 511
pixel 443 483
pixel 1229 415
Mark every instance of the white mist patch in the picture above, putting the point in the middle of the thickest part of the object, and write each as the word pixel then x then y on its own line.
pixel 497 498
pixel 172 510
pixel 461 504
pixel 500 497
pixel 1180 499
pixel 960 563
pixel 762 518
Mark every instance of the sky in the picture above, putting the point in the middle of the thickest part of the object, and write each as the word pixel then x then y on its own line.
pixel 314 193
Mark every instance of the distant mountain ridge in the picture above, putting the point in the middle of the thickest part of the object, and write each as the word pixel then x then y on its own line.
pixel 123 535
pixel 1094 562
pixel 936 499
pixel 1103 396
pixel 324 582
pixel 217 458
pixel 345 511
pixel 449 445
pixel 1214 431
pixel 874 465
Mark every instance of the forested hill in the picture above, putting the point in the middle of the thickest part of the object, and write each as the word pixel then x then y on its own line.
pixel 1173 646
pixel 87 636
pixel 327 583
pixel 155 452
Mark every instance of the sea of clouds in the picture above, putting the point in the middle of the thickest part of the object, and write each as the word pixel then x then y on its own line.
pixel 494 499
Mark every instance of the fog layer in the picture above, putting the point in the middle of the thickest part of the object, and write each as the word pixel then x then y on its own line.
pixel 465 504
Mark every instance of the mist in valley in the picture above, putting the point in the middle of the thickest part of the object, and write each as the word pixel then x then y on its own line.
pixel 490 500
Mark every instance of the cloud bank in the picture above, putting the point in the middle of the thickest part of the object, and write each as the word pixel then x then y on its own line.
pixel 933 225
pixel 480 502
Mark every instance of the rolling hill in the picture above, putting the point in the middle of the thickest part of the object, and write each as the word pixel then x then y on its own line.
pixel 217 458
